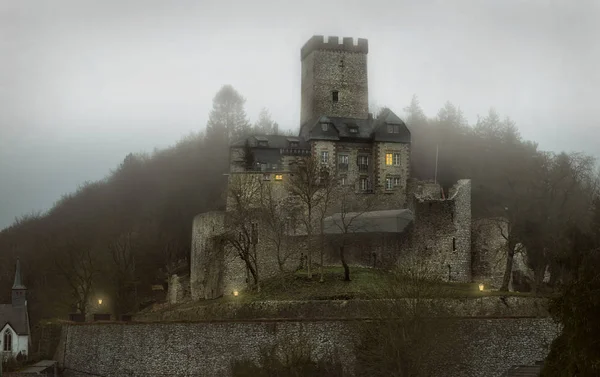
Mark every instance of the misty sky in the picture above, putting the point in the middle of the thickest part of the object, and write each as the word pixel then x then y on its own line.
pixel 83 83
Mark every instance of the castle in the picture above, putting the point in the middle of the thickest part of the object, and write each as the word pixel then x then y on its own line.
pixel 410 217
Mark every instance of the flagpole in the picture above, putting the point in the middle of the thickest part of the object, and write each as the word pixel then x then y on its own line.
pixel 436 162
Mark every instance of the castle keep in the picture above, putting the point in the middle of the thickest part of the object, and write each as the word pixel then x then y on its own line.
pixel 370 155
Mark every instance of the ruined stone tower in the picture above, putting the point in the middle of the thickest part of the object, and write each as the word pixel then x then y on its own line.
pixel 334 78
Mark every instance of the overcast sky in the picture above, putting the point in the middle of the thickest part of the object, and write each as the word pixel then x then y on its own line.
pixel 83 83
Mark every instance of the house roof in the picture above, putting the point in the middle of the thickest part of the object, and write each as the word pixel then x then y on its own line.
pixel 524 371
pixel 274 142
pixel 367 129
pixel 388 221
pixel 16 317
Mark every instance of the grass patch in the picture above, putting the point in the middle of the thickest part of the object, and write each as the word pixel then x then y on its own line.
pixel 366 283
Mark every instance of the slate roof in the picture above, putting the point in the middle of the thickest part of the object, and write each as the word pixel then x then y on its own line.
pixel 388 221
pixel 274 142
pixel 524 371
pixel 368 129
pixel 16 317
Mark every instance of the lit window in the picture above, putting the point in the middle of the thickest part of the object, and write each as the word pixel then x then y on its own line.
pixel 7 341
pixel 389 184
pixel 335 96
pixel 324 127
pixel 278 177
pixel 324 157
pixel 397 159
pixel 389 158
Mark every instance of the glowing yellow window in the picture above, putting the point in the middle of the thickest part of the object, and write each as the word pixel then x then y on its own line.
pixel 389 159
pixel 278 177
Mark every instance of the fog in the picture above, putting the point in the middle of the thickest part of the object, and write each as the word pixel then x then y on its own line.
pixel 84 83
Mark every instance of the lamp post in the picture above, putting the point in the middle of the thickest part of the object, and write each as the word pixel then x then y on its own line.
pixel 481 287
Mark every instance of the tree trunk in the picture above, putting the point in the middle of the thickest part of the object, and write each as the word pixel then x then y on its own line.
pixel 508 270
pixel 322 251
pixel 308 246
pixel 346 268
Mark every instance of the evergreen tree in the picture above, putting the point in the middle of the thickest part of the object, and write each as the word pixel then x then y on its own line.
pixel 227 121
pixel 415 116
pixel 265 124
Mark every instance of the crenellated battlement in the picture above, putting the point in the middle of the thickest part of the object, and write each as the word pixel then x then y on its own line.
pixel 318 42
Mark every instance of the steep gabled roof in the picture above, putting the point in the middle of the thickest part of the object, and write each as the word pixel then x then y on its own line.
pixel 380 132
pixel 367 129
pixel 273 141
pixel 16 317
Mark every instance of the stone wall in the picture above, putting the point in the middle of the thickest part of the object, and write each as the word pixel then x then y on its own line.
pixel 487 306
pixel 442 231
pixel 401 171
pixel 179 288
pixel 328 67
pixel 488 346
pixel 207 259
pixel 489 251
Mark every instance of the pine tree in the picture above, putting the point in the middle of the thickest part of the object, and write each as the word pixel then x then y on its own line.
pixel 265 124
pixel 227 121
pixel 415 115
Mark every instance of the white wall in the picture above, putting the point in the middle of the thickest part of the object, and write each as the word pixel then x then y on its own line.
pixel 20 343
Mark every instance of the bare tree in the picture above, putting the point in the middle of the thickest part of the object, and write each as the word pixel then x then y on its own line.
pixel 329 185
pixel 122 250
pixel 276 214
pixel 305 186
pixel 76 265
pixel 244 196
pixel 346 222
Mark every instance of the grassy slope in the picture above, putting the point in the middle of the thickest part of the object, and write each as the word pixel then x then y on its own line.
pixel 365 283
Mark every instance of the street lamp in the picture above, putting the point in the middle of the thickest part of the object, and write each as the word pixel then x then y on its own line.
pixel 481 287
pixel 99 301
pixel 236 293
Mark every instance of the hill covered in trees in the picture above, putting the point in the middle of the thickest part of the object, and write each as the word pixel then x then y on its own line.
pixel 117 237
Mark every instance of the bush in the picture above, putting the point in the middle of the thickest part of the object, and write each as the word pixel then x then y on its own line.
pixel 292 360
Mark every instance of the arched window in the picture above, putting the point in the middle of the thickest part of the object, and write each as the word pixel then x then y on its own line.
pixel 7 341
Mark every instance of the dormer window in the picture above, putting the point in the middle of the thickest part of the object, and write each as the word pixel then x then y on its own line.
pixel 293 142
pixel 335 96
pixel 324 127
pixel 393 129
pixel 262 141
pixel 353 130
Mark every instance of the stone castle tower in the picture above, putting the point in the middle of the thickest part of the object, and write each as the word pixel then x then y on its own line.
pixel 334 78
pixel 372 156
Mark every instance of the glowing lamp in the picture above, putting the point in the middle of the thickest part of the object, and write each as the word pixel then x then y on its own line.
pixel 481 287
pixel 236 293
pixel 99 301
